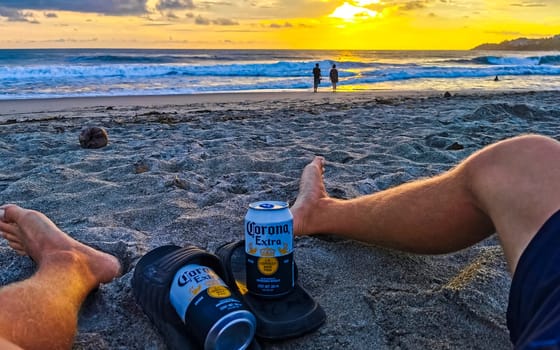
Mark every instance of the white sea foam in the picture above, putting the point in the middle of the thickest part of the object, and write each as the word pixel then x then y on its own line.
pixel 61 73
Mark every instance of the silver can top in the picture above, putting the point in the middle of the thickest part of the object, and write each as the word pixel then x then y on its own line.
pixel 268 205
pixel 233 331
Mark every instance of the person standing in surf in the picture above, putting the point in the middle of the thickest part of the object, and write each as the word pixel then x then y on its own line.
pixel 333 75
pixel 316 77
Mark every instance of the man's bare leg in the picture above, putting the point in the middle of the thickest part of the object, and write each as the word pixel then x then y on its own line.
pixel 510 187
pixel 42 311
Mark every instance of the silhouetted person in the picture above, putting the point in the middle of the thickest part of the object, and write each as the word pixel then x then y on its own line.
pixel 333 75
pixel 496 78
pixel 316 77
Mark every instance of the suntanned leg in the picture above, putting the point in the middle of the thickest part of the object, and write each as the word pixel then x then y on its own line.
pixel 427 216
pixel 6 345
pixel 42 311
pixel 510 187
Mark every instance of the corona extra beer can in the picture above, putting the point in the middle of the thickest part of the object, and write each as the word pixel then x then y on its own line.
pixel 205 304
pixel 269 253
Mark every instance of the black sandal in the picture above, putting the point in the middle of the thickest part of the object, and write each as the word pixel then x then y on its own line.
pixel 288 316
pixel 151 283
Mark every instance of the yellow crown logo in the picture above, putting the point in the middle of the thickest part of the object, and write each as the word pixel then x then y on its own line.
pixel 284 249
pixel 267 252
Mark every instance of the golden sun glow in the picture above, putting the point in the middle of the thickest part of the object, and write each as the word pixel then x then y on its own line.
pixel 285 24
pixel 350 13
pixel 366 2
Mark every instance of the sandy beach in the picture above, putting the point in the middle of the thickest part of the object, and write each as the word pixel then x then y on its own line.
pixel 183 170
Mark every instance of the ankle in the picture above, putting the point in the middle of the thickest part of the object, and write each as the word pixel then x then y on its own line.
pixel 320 216
pixel 70 264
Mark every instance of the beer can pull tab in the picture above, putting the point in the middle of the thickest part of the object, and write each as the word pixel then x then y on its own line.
pixel 266 205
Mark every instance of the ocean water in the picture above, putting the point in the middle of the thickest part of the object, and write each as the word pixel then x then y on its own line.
pixel 47 73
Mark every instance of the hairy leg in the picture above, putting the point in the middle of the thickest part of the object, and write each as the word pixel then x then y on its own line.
pixel 508 187
pixel 41 312
pixel 515 183
pixel 426 216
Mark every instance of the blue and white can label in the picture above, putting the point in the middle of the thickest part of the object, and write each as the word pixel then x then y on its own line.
pixel 269 243
pixel 192 280
pixel 206 306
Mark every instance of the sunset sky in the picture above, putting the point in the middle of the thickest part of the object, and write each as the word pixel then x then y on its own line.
pixel 274 24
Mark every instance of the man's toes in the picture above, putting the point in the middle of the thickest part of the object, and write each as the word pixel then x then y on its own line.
pixel 21 252
pixel 8 228
pixel 16 246
pixel 10 237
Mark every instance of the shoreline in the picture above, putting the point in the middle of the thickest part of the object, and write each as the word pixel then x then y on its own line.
pixel 17 106
pixel 42 105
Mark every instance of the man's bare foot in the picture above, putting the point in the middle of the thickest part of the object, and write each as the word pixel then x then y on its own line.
pixel 30 232
pixel 311 190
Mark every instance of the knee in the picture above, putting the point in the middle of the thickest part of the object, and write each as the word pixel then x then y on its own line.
pixel 514 160
pixel 529 142
pixel 517 151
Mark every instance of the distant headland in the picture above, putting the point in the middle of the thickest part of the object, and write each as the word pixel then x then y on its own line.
pixel 524 44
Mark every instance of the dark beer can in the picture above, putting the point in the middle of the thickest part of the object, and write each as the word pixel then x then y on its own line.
pixel 205 304
pixel 269 253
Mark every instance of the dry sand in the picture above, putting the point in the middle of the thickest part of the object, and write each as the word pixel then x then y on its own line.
pixel 183 169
